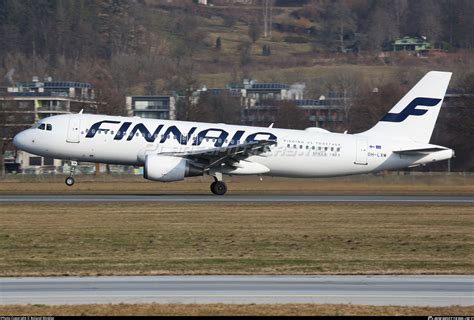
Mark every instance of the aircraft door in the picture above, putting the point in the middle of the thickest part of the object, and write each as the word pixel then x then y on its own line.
pixel 361 152
pixel 73 129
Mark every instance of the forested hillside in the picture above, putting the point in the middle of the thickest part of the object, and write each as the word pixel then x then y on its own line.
pixel 146 45
pixel 159 46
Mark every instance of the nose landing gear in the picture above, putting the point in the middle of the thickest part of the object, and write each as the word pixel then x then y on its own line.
pixel 70 180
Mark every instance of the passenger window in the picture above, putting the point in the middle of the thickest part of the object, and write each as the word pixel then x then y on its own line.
pixel 332 148
pixel 41 126
pixel 49 127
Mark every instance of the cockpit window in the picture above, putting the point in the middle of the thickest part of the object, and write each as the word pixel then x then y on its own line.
pixel 42 126
pixel 49 127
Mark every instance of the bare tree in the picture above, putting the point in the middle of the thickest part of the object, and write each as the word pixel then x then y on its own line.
pixel 381 26
pixel 345 87
pixel 216 108
pixel 290 116
pixel 267 8
pixel 254 31
pixel 338 21
pixel 372 104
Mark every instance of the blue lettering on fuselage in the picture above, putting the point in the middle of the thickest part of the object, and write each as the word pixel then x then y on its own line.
pixel 150 137
pixel 252 137
pixel 219 141
pixel 178 135
pixel 140 130
pixel 96 127
pixel 123 129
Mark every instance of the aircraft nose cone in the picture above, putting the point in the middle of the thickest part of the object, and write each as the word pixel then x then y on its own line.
pixel 21 140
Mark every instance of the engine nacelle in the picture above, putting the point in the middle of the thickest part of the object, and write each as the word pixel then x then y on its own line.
pixel 168 168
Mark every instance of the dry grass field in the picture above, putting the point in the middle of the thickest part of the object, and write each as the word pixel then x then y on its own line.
pixel 392 184
pixel 173 238
pixel 231 309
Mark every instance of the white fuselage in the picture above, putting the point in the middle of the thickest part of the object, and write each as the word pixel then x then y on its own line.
pixel 298 153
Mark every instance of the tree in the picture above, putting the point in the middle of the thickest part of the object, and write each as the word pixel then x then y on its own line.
pixel 229 20
pixel 454 126
pixel 266 51
pixel 244 53
pixel 289 116
pixel 345 86
pixel 338 21
pixel 254 31
pixel 8 129
pixel 381 26
pixel 215 108
pixel 372 104
pixel 423 19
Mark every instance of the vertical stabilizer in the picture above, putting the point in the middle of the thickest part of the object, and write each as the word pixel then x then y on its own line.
pixel 414 116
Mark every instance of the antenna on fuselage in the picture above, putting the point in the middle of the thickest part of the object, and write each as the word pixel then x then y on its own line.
pixel 271 125
pixel 80 112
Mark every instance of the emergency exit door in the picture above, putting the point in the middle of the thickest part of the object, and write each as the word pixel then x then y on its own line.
pixel 361 152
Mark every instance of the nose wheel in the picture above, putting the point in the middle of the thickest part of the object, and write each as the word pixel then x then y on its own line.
pixel 70 180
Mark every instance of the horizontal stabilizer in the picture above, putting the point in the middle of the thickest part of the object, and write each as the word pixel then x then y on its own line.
pixel 419 151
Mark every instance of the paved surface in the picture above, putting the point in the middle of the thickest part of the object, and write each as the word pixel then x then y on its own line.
pixel 235 198
pixel 373 290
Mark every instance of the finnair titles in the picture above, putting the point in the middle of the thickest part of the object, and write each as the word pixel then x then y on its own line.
pixel 172 150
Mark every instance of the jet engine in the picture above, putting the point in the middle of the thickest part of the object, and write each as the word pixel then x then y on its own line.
pixel 168 168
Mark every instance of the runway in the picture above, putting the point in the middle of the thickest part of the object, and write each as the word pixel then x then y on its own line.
pixel 185 198
pixel 373 290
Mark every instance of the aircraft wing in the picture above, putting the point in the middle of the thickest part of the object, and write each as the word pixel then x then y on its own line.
pixel 214 157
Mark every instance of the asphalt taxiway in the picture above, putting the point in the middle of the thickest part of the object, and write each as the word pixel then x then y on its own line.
pixel 372 290
pixel 195 198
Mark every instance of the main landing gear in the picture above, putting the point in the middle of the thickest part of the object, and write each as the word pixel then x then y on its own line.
pixel 218 187
pixel 70 180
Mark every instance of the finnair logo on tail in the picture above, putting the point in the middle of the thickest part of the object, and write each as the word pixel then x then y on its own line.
pixel 411 110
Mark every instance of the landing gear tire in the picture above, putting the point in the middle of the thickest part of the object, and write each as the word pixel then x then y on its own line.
pixel 219 188
pixel 69 181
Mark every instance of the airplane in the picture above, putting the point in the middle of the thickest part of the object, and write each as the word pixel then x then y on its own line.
pixel 172 150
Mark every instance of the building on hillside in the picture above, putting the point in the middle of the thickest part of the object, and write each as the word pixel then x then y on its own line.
pixel 417 44
pixel 152 107
pixel 323 113
pixel 25 103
